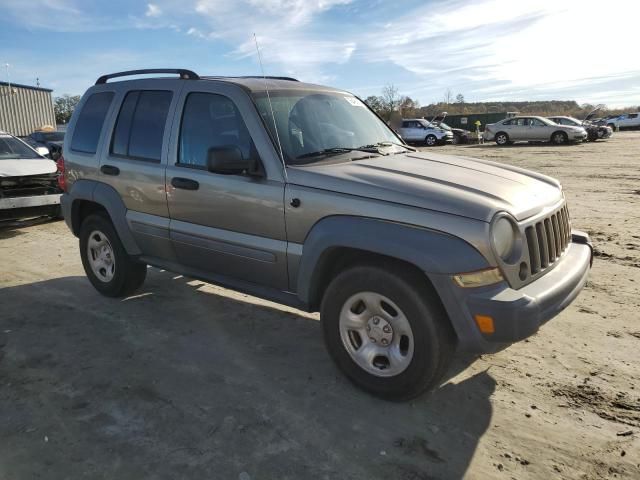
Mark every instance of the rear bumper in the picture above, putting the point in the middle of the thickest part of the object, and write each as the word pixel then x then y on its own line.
pixel 516 314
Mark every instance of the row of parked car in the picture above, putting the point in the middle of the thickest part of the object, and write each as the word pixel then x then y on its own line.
pixel 556 129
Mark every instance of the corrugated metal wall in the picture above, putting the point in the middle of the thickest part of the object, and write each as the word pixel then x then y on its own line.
pixel 25 110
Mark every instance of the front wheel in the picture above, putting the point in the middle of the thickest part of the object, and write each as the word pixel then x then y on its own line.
pixel 559 138
pixel 108 266
pixel 431 140
pixel 386 331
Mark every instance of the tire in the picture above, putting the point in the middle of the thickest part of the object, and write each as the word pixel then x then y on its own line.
pixel 612 126
pixel 559 138
pixel 431 140
pixel 502 139
pixel 421 336
pixel 455 140
pixel 600 133
pixel 110 269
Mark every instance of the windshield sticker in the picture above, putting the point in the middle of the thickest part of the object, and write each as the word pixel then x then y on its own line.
pixel 354 101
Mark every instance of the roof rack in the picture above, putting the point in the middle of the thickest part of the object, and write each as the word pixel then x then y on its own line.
pixel 291 79
pixel 184 74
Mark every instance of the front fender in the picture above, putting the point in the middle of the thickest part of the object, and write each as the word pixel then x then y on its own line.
pixel 431 251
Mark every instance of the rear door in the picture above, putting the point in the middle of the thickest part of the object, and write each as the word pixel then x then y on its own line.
pixel 135 159
pixel 224 224
pixel 518 129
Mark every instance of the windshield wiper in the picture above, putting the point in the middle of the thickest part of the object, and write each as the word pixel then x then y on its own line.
pixel 388 144
pixel 337 151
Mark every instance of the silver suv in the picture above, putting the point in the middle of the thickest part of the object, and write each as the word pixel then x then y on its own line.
pixel 303 196
pixel 420 130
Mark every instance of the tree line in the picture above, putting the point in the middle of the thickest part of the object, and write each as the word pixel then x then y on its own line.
pixel 392 104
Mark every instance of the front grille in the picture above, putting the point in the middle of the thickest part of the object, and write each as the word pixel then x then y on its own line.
pixel 28 186
pixel 547 240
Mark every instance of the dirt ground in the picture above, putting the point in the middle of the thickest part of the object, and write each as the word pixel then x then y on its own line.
pixel 187 380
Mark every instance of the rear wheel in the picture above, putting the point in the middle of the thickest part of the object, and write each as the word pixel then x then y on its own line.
pixel 431 140
pixel 387 334
pixel 559 138
pixel 108 266
pixel 502 138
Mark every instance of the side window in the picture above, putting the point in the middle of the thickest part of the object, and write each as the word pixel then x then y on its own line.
pixel 140 126
pixel 89 123
pixel 536 123
pixel 633 115
pixel 508 122
pixel 210 120
pixel 406 124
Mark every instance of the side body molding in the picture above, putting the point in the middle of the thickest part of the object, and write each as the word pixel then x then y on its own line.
pixel 429 250
pixel 108 198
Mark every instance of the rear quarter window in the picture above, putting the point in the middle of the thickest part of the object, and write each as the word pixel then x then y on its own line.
pixel 90 121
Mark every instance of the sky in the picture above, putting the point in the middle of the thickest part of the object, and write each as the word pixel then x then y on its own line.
pixel 488 50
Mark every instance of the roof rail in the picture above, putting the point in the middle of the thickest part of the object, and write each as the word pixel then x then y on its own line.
pixel 291 79
pixel 184 74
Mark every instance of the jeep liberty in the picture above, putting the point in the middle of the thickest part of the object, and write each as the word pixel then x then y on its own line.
pixel 300 194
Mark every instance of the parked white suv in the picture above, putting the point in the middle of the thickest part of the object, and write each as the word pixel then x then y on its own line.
pixel 421 130
pixel 532 129
pixel 628 120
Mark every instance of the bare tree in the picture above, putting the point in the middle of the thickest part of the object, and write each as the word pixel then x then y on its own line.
pixel 448 96
pixel 390 100
pixel 459 98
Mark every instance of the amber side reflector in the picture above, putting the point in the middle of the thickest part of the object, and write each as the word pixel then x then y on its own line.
pixel 485 323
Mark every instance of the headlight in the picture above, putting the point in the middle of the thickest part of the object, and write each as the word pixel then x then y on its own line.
pixel 504 237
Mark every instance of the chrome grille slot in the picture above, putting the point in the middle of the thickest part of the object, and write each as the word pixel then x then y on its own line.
pixel 547 239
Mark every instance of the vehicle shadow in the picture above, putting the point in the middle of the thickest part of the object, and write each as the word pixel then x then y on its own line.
pixel 185 380
pixel 9 229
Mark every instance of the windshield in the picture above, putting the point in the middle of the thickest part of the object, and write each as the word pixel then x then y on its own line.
pixel 53 136
pixel 12 148
pixel 444 126
pixel 313 124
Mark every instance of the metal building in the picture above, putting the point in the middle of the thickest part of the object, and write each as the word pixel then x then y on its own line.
pixel 24 108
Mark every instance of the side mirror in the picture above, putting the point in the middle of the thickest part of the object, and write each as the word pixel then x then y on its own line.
pixel 228 160
pixel 44 151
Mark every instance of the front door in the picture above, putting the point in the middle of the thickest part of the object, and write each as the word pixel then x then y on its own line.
pixel 224 224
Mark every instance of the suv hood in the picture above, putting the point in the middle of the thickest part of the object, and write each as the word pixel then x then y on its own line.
pixel 22 168
pixel 462 186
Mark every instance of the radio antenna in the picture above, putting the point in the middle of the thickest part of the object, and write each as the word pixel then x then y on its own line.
pixel 273 116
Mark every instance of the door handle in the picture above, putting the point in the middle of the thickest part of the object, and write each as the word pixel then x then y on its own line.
pixel 110 170
pixel 184 183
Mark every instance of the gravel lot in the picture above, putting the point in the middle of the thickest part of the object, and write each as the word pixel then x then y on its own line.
pixel 187 380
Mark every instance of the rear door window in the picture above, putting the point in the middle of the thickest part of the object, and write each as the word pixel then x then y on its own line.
pixel 139 130
pixel 89 124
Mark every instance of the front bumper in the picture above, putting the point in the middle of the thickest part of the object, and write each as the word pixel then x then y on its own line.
pixel 579 137
pixel 23 207
pixel 516 314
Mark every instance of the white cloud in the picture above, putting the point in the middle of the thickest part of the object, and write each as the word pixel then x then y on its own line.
pixel 153 10
pixel 505 48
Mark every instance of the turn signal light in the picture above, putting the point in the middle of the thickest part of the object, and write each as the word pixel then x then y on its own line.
pixel 479 278
pixel 485 323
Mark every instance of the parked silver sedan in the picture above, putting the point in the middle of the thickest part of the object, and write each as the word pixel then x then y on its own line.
pixel 532 129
